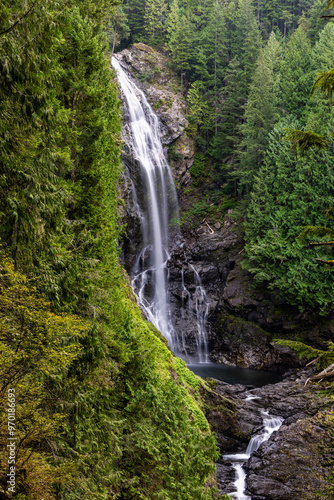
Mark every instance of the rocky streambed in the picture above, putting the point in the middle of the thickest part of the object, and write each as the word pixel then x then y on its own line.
pixel 294 462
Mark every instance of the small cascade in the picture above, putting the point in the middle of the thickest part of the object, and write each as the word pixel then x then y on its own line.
pixel 156 208
pixel 194 308
pixel 202 308
pixel 186 299
pixel 270 424
pixel 240 476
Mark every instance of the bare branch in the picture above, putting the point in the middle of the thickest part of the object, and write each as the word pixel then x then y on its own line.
pixel 19 20
pixel 318 243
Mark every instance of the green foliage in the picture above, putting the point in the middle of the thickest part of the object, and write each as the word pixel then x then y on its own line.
pixel 118 29
pixel 135 10
pixel 155 13
pixel 325 82
pixel 285 191
pixel 146 76
pixel 99 413
pixel 37 346
pixel 198 108
pixel 296 80
pixel 199 209
pixel 198 168
pixel 261 111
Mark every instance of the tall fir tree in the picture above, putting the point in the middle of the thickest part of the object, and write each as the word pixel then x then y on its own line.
pixel 155 22
pixel 296 82
pixel 287 194
pixel 179 38
pixel 135 10
pixel 261 112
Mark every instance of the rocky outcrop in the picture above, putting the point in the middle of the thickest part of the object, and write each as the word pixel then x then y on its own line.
pixel 243 322
pixel 289 466
pixel 293 463
pixel 152 73
pixel 234 339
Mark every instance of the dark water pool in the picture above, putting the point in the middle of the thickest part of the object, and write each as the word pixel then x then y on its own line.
pixel 234 375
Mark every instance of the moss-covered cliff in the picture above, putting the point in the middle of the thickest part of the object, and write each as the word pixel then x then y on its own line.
pixel 103 409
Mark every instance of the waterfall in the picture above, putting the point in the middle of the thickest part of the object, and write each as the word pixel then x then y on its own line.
pixel 202 308
pixel 149 279
pixel 156 206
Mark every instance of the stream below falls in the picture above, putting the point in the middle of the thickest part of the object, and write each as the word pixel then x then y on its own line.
pixel 270 425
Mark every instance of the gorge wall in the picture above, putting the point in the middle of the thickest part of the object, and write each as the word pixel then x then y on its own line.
pixel 242 322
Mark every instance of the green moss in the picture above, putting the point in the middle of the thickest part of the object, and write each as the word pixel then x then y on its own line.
pixel 186 375
pixel 304 351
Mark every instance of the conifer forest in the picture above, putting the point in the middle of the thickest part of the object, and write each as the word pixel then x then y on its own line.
pixel 166 223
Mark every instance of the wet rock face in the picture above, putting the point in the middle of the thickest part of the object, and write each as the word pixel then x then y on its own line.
pixel 245 344
pixel 233 340
pixel 287 467
pixel 151 71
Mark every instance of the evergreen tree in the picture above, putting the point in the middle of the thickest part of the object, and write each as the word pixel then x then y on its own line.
pixel 224 144
pixel 296 72
pixel 179 38
pixel 320 116
pixel 155 18
pixel 135 9
pixel 316 20
pixel 118 29
pixel 287 194
pixel 261 111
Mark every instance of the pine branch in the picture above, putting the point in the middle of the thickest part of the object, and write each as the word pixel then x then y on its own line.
pixel 329 262
pixel 19 20
pixel 319 231
pixel 325 82
pixel 302 141
pixel 318 243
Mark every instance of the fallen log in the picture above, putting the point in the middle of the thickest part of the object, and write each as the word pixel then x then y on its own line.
pixel 326 373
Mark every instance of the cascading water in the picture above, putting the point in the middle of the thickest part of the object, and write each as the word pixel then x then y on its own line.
pixel 149 274
pixel 271 424
pixel 196 304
